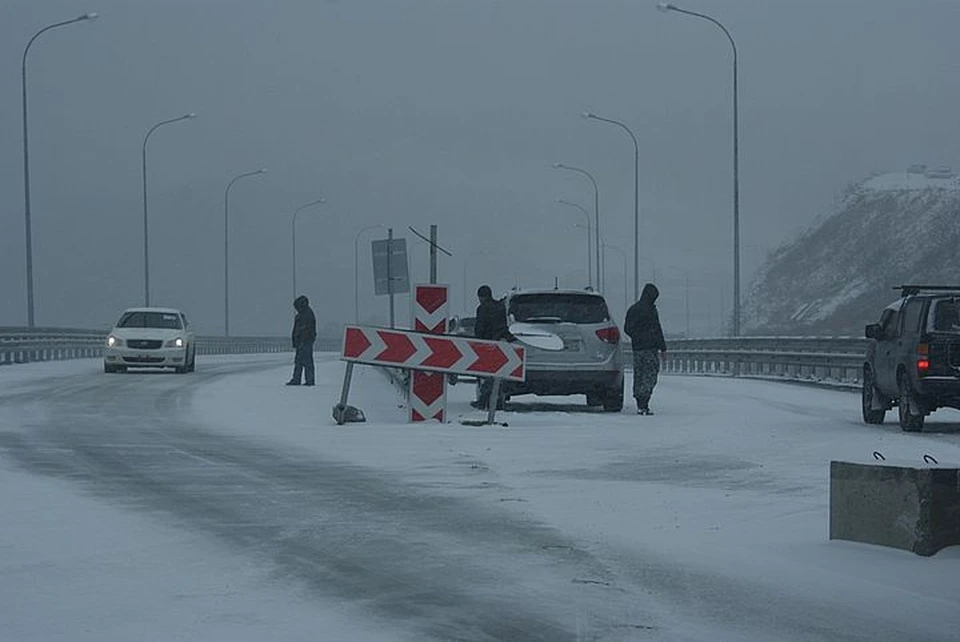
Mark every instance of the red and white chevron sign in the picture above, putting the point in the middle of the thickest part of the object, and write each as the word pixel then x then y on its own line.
pixel 434 352
pixel 428 390
pixel 430 308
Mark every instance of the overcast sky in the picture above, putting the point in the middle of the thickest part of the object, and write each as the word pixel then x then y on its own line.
pixel 412 112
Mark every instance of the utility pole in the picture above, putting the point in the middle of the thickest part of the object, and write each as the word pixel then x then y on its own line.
pixel 433 254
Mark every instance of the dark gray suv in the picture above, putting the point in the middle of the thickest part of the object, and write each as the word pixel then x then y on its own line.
pixel 913 357
pixel 572 345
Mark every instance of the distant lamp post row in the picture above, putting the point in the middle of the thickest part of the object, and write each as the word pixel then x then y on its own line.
pixel 586 215
pixel 636 197
pixel 667 7
pixel 596 215
pixel 26 161
pixel 146 227
pixel 226 247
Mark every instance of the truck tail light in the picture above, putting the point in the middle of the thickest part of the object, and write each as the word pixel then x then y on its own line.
pixel 923 365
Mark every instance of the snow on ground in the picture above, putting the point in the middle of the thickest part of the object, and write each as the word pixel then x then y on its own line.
pixel 728 482
pixel 730 475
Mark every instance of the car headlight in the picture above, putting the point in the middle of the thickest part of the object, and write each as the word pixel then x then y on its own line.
pixel 113 342
pixel 175 343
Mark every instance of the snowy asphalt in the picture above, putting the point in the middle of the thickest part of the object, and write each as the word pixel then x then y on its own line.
pixel 437 565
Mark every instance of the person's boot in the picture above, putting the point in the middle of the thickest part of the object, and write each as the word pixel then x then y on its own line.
pixel 297 373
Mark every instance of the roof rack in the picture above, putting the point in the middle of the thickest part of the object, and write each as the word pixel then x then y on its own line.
pixel 909 290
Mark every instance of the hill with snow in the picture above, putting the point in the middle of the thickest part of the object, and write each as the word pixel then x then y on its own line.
pixel 887 230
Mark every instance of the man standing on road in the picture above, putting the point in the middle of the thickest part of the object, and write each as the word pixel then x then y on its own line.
pixel 643 327
pixel 492 325
pixel 304 334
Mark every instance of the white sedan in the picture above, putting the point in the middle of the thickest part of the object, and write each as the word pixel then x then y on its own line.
pixel 150 338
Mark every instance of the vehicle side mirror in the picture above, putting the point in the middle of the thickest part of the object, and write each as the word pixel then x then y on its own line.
pixel 872 331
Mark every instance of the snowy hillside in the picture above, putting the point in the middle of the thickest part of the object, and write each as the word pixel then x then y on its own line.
pixel 889 229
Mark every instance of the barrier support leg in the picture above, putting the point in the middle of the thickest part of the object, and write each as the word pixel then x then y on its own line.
pixel 339 410
pixel 494 402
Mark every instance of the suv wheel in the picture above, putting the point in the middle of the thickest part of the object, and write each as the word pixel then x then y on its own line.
pixel 613 402
pixel 910 419
pixel 871 415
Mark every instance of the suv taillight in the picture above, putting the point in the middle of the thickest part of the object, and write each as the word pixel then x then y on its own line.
pixel 923 359
pixel 610 335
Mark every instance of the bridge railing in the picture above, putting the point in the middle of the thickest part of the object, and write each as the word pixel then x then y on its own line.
pixel 25 345
pixel 827 360
pixel 823 360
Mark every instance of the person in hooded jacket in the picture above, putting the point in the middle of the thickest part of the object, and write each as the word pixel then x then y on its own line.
pixel 303 336
pixel 642 325
pixel 491 325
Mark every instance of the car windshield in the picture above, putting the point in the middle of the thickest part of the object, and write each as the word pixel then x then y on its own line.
pixel 558 308
pixel 142 319
pixel 945 316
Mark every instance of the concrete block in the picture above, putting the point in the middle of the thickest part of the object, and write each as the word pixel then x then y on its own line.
pixel 914 508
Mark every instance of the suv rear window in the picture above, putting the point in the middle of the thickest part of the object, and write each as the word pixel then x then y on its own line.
pixel 945 316
pixel 164 320
pixel 558 307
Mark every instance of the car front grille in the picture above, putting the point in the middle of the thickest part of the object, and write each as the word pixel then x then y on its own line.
pixel 143 359
pixel 144 344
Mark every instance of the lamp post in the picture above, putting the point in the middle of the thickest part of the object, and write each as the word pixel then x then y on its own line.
pixel 596 215
pixel 226 248
pixel 667 7
pixel 26 160
pixel 586 215
pixel 293 239
pixel 356 270
pixel 146 228
pixel 636 197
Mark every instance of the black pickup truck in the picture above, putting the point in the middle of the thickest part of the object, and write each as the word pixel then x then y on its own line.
pixel 913 357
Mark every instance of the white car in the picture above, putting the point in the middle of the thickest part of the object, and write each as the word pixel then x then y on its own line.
pixel 150 338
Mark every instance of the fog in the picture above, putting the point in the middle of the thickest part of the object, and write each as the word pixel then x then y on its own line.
pixel 448 112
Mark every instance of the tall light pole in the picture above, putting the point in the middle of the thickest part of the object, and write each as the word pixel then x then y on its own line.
pixel 146 228
pixel 226 248
pixel 636 197
pixel 356 270
pixel 293 239
pixel 667 7
pixel 596 215
pixel 26 160
pixel 586 215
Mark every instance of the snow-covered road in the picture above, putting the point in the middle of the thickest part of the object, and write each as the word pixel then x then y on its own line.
pixel 224 506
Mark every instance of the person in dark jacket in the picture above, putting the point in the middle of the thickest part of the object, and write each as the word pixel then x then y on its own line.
pixel 491 325
pixel 303 336
pixel 643 327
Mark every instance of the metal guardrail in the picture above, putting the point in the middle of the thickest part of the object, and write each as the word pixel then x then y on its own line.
pixel 821 360
pixel 25 345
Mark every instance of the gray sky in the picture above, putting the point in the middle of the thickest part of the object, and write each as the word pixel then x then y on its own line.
pixel 412 112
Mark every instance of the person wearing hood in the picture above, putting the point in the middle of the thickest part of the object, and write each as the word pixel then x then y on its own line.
pixel 642 325
pixel 303 336
pixel 492 326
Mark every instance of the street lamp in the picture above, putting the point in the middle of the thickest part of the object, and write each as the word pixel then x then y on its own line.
pixel 26 160
pixel 146 233
pixel 586 215
pixel 226 248
pixel 356 270
pixel 293 228
pixel 596 215
pixel 667 7
pixel 636 197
